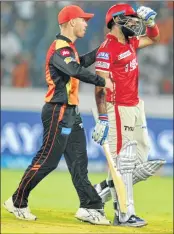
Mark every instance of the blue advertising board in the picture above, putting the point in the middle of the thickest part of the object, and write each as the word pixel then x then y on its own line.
pixel 21 137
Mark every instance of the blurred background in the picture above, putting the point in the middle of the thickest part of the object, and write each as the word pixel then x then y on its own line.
pixel 27 30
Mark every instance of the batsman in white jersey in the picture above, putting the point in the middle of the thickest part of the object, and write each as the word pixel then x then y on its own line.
pixel 121 112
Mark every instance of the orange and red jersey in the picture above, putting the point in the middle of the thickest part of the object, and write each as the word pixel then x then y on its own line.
pixel 120 60
pixel 64 68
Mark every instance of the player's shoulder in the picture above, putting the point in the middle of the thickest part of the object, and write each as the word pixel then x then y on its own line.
pixel 63 48
pixel 107 44
pixel 105 50
pixel 61 44
pixel 134 38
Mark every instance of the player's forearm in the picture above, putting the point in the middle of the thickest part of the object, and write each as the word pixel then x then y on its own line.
pixel 88 59
pixel 73 69
pixel 100 98
pixel 153 33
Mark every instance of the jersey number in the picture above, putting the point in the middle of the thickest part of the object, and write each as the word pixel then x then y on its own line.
pixel 131 66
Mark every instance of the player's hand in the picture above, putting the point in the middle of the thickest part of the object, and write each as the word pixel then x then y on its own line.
pixel 101 129
pixel 147 15
pixel 109 84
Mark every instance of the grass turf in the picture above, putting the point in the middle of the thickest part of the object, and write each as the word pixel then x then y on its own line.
pixel 54 202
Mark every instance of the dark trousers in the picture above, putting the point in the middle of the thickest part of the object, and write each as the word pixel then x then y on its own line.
pixel 63 134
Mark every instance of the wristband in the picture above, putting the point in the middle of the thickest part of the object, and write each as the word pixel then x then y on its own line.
pixel 152 31
pixel 103 117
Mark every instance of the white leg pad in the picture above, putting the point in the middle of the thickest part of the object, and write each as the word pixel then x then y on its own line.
pixel 146 169
pixel 125 162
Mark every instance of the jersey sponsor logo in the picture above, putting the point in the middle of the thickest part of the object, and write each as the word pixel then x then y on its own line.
pixel 69 59
pixel 102 64
pixel 65 52
pixel 103 55
pixel 128 128
pixel 124 55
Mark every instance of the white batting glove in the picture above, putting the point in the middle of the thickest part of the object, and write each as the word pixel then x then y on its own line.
pixel 147 15
pixel 101 129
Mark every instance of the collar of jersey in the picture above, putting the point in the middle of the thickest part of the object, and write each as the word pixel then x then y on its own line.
pixel 110 36
pixel 59 36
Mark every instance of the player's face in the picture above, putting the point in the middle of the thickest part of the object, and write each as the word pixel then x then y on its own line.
pixel 80 27
pixel 134 24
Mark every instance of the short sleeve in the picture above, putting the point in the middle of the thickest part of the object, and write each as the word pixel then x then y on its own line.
pixel 134 41
pixel 103 60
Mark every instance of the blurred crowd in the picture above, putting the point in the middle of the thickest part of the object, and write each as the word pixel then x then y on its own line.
pixel 29 27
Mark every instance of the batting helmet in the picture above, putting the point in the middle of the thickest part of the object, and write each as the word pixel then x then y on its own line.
pixel 119 9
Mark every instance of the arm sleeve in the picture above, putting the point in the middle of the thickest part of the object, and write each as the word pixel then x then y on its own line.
pixel 88 59
pixel 64 60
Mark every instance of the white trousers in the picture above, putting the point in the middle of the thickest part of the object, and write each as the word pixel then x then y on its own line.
pixel 127 124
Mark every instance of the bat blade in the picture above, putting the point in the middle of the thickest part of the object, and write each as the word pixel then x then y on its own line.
pixel 117 179
pixel 116 176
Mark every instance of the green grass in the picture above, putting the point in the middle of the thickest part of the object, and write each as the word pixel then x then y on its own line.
pixel 54 202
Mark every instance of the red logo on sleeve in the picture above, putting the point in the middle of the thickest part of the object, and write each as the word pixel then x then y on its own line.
pixel 65 52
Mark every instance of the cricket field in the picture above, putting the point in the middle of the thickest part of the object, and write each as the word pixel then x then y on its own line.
pixel 54 202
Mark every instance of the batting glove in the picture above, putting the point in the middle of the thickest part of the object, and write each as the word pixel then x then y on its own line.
pixel 147 15
pixel 101 129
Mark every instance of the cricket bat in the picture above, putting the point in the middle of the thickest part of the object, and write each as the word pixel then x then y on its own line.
pixel 116 176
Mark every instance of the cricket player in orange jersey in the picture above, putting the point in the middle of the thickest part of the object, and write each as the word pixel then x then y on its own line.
pixel 62 123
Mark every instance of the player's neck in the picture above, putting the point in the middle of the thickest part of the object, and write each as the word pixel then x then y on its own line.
pixel 120 36
pixel 69 34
